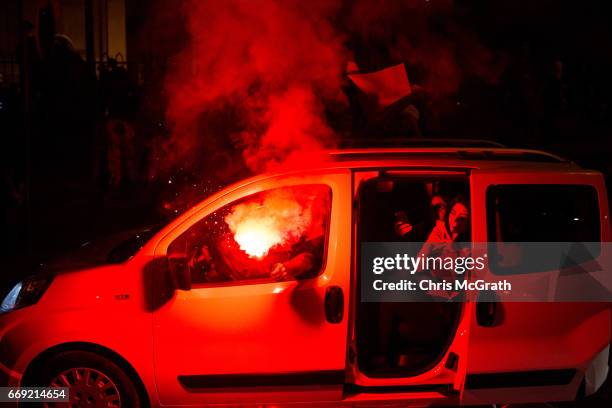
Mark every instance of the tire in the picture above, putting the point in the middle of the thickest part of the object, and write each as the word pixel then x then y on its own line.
pixel 94 379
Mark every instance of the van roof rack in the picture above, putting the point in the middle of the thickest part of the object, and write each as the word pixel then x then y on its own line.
pixel 417 142
pixel 457 153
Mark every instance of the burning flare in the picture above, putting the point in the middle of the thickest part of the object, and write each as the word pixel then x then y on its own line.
pixel 257 236
pixel 276 220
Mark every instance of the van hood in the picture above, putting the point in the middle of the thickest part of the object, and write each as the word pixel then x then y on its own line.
pixel 110 250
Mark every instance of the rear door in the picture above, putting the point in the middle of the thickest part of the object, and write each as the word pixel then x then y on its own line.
pixel 535 351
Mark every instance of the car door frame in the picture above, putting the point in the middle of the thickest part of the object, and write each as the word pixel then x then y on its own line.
pixel 439 382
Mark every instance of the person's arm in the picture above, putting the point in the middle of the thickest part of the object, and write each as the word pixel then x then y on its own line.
pixel 293 268
pixel 435 242
pixel 427 248
pixel 300 264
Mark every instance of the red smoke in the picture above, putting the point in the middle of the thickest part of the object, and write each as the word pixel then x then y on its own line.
pixel 279 218
pixel 256 81
pixel 274 64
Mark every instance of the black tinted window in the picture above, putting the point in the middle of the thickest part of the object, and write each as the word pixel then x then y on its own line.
pixel 543 213
pixel 552 216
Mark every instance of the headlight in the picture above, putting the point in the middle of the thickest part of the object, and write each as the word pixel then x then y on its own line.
pixel 25 293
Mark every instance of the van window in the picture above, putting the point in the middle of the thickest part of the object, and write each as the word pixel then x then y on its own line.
pixel 277 234
pixel 543 213
pixel 535 227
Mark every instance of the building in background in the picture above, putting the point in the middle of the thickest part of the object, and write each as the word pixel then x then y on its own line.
pixel 96 29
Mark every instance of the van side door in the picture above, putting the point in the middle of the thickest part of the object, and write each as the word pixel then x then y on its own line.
pixel 537 350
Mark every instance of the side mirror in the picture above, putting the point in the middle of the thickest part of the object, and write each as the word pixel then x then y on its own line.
pixel 179 271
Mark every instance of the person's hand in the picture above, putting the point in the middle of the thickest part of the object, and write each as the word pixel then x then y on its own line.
pixel 402 228
pixel 402 225
pixel 279 272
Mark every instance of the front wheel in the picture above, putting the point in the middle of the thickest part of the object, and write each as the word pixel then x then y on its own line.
pixel 93 381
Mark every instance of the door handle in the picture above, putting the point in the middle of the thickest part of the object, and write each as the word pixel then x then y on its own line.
pixel 489 312
pixel 485 313
pixel 334 304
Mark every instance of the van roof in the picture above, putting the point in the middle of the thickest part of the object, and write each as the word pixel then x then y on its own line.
pixel 434 158
pixel 504 159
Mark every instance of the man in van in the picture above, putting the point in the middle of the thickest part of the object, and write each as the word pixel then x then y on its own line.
pixel 307 260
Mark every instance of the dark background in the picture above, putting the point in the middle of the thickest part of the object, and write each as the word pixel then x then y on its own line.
pixel 63 96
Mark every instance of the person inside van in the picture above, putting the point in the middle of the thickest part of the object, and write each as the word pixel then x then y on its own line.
pixel 399 327
pixel 438 207
pixel 225 262
pixel 449 238
pixel 398 322
pixel 410 209
pixel 307 260
pixel 404 228
pixel 453 227
pixel 416 230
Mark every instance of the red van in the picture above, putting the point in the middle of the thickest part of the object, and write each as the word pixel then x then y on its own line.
pixel 210 311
